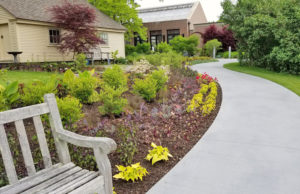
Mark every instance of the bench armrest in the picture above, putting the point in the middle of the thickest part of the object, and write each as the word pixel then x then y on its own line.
pixel 106 145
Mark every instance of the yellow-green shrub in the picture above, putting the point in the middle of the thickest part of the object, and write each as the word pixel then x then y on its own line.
pixel 115 77
pixel 82 87
pixel 34 93
pixel 146 88
pixel 158 153
pixel 209 104
pixel 69 109
pixel 113 103
pixel 133 172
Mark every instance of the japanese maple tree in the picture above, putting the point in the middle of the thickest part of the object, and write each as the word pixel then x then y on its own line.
pixel 223 35
pixel 77 21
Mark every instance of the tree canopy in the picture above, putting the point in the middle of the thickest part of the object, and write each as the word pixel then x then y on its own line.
pixel 267 31
pixel 125 12
pixel 76 20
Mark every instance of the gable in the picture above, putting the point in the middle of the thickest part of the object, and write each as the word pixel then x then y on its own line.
pixel 5 16
pixel 38 10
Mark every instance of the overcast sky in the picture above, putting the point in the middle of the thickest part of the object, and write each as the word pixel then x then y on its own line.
pixel 212 8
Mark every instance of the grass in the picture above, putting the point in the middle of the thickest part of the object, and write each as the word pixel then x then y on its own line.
pixel 291 82
pixel 203 61
pixel 26 77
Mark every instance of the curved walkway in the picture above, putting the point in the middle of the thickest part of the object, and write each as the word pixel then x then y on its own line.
pixel 253 147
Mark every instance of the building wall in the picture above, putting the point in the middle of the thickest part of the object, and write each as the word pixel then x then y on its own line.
pixel 35 45
pixel 4 16
pixel 4 43
pixel 197 16
pixel 34 42
pixel 182 25
pixel 116 42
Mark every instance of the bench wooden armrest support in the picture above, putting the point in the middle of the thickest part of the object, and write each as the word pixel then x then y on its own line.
pixel 107 145
pixel 101 146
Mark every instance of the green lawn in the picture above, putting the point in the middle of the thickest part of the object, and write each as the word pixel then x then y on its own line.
pixel 292 82
pixel 203 61
pixel 26 76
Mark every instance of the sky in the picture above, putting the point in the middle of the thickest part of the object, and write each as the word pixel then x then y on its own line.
pixel 212 8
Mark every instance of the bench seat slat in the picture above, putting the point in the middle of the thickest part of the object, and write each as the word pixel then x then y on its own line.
pixel 26 151
pixel 23 113
pixel 76 183
pixel 76 176
pixel 42 141
pixel 52 181
pixel 96 184
pixel 38 178
pixel 7 157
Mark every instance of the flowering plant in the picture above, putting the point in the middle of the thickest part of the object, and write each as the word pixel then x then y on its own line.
pixel 206 78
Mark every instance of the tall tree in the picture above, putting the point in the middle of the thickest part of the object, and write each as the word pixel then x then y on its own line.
pixel 267 32
pixel 124 12
pixel 76 20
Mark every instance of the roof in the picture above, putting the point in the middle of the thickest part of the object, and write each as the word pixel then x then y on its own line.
pixel 167 13
pixel 37 10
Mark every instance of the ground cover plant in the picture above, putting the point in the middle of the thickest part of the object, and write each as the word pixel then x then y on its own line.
pixel 292 82
pixel 149 127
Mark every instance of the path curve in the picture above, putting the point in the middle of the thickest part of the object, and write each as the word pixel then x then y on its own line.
pixel 253 146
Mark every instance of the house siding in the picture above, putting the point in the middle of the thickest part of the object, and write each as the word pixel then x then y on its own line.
pixel 4 43
pixel 35 45
pixel 5 16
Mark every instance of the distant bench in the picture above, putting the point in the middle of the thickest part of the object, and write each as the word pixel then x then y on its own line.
pixel 64 177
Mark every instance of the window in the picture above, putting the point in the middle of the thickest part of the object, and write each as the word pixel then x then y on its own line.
pixel 54 35
pixel 172 34
pixel 155 38
pixel 104 37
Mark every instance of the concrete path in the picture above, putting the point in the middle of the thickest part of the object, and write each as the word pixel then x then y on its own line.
pixel 253 147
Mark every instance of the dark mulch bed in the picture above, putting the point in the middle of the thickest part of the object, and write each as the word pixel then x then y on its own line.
pixel 164 122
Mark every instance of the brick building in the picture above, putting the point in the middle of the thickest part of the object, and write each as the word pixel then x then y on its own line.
pixel 164 23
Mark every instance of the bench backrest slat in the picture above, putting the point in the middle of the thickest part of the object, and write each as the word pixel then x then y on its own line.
pixel 23 113
pixel 17 116
pixel 24 144
pixel 7 157
pixel 42 141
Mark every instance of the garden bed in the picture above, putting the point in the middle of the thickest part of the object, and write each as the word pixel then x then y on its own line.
pixel 164 121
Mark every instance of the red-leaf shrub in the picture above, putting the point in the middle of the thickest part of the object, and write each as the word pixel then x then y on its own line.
pixel 224 35
pixel 77 21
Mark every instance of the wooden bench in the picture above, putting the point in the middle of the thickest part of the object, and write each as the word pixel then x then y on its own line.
pixel 64 177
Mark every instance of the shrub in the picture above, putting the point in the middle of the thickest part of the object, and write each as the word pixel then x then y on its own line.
pixel 129 49
pixel 160 77
pixel 209 46
pixel 163 47
pixel 143 48
pixel 9 95
pixel 267 31
pixel 185 44
pixel 133 172
pixel 234 54
pixel 70 110
pixel 158 153
pixel 80 61
pixel 113 103
pixel 34 93
pixel 171 58
pixel 115 77
pixel 121 60
pixel 82 87
pixel 146 88
pixel 127 147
